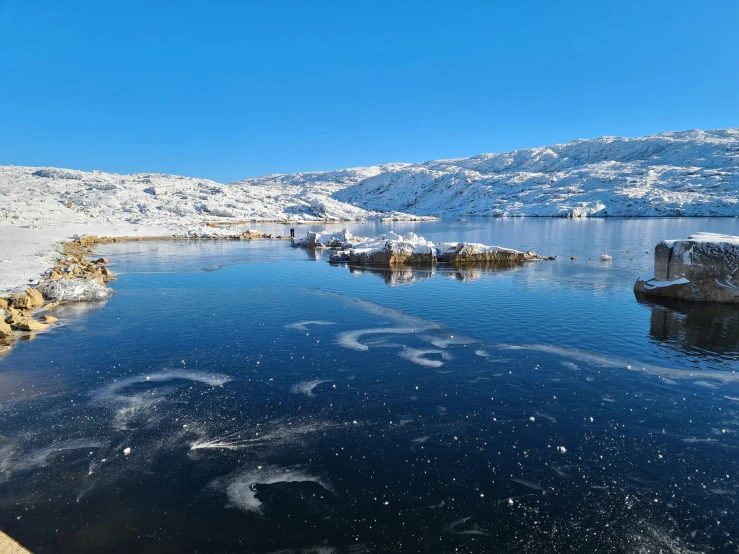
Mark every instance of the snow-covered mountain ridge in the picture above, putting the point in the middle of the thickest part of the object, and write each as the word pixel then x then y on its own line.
pixel 33 195
pixel 690 173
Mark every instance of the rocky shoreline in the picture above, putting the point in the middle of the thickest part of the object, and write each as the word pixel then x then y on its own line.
pixel 73 278
pixel 18 310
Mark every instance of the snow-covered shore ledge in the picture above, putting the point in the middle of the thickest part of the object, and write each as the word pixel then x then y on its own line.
pixel 27 253
pixel 703 267
pixel 72 277
pixel 391 249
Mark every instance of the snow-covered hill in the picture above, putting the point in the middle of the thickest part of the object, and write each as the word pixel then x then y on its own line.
pixel 32 195
pixel 671 174
pixel 691 173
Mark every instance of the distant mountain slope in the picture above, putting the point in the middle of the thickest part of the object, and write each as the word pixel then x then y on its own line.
pixel 672 174
pixel 32 195
pixel 691 173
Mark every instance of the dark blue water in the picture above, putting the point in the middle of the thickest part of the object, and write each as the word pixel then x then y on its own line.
pixel 272 402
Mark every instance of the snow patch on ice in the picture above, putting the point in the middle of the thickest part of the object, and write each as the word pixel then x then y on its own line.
pixel 350 339
pixel 306 387
pixel 419 357
pixel 303 325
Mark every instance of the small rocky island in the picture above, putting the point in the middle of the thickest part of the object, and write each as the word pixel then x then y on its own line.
pixel 703 267
pixel 392 250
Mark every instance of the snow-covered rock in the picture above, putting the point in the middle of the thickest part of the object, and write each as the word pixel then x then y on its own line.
pixel 75 290
pixel 464 253
pixel 704 267
pixel 391 249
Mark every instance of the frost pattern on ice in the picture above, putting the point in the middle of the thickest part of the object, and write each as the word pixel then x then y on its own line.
pixel 240 486
pixel 306 387
pixel 139 405
pixel 303 325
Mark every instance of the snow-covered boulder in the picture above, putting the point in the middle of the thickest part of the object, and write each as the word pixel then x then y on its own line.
pixel 466 253
pixel 313 240
pixel 392 249
pixel 324 239
pixel 703 267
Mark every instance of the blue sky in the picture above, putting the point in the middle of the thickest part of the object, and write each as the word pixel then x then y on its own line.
pixel 228 90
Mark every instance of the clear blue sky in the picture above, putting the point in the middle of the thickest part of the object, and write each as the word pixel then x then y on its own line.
pixel 227 90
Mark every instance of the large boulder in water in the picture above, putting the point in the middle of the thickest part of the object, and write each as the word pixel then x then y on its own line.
pixel 468 253
pixel 394 253
pixel 703 267
pixel 313 240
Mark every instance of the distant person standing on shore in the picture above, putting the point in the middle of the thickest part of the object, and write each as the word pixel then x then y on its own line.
pixel 292 232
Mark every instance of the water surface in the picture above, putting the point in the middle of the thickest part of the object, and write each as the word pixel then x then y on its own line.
pixel 273 402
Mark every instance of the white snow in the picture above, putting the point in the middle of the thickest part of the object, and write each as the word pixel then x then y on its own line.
pixel 407 244
pixel 652 284
pixel 240 486
pixel 690 173
pixel 713 237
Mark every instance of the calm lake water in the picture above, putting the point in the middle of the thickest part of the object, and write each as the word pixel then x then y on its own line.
pixel 273 402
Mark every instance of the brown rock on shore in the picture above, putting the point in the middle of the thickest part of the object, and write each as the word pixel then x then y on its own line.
pixel 17 317
pixel 32 325
pixel 32 298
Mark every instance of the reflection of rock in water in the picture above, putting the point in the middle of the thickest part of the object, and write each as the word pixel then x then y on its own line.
pixel 314 254
pixel 694 325
pixel 395 276
pixel 472 273
pixel 73 311
pixel 404 275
